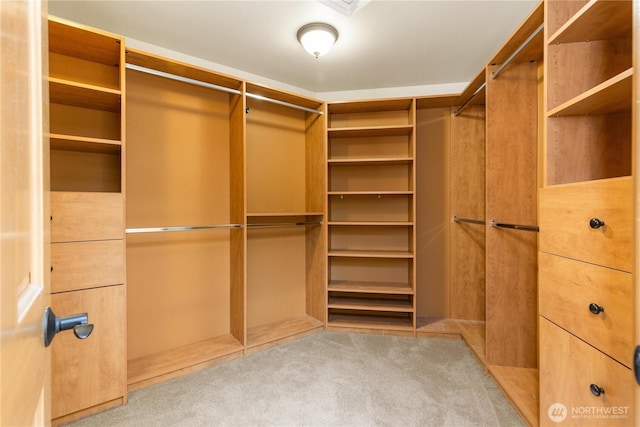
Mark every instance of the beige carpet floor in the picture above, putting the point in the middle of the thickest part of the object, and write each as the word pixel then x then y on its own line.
pixel 328 379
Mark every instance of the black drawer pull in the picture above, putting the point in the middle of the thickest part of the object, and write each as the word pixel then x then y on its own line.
pixel 595 308
pixel 595 223
pixel 596 390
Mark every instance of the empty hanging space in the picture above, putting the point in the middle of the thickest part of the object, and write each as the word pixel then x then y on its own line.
pixel 179 267
pixel 285 237
pixel 371 248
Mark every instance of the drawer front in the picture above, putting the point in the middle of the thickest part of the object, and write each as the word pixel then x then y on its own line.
pixel 88 372
pixel 567 288
pixel 82 265
pixel 568 368
pixel 565 215
pixel 86 216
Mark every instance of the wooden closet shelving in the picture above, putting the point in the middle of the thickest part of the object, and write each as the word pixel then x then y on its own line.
pixel 285 208
pixel 86 86
pixel 371 174
pixel 588 174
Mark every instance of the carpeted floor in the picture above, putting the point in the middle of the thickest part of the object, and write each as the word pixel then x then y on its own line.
pixel 328 379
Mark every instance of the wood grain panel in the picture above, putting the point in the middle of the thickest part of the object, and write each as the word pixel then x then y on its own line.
pixel 511 197
pixel 565 213
pixel 82 265
pixel 467 196
pixel 568 367
pixel 86 216
pixel 90 371
pixel 568 287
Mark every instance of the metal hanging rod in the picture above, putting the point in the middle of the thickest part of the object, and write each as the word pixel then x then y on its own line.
pixel 515 226
pixel 470 221
pixel 282 224
pixel 216 87
pixel 179 228
pixel 524 44
pixel 464 105
pixel 182 79
pixel 286 104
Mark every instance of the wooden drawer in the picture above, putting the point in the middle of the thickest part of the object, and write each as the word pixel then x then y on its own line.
pixel 82 265
pixel 568 368
pixel 567 288
pixel 565 212
pixel 86 216
pixel 88 372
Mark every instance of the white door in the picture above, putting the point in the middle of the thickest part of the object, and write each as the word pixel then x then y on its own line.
pixel 24 291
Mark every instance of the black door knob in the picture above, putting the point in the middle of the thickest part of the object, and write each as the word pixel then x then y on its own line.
pixel 596 390
pixel 595 308
pixel 595 223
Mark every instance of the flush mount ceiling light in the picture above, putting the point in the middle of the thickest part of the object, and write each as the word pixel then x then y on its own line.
pixel 317 38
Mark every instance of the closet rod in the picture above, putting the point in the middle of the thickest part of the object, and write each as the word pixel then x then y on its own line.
pixel 524 44
pixel 464 105
pixel 282 224
pixel 182 79
pixel 286 104
pixel 179 228
pixel 217 87
pixel 515 226
pixel 470 221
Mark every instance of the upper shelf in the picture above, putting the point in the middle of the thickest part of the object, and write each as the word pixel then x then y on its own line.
pixel 597 20
pixel 612 96
pixel 72 40
pixel 356 132
pixel 83 95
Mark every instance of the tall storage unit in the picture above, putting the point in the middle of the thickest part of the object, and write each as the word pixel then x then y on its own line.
pixel 86 87
pixel 185 297
pixel 586 254
pixel 371 214
pixel 285 237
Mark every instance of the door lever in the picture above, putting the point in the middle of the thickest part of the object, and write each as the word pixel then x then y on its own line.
pixel 636 364
pixel 54 324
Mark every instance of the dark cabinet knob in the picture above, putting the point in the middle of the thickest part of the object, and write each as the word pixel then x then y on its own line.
pixel 596 390
pixel 595 308
pixel 595 223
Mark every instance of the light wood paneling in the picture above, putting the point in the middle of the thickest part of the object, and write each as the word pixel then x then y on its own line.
pixel 433 218
pixel 84 122
pixel 86 216
pixel 522 388
pixel 263 336
pixel 88 372
pixel 511 197
pixel 565 213
pixel 568 287
pixel 85 171
pixel 467 259
pixel 81 265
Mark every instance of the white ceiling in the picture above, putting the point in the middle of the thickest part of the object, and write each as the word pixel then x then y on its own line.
pixel 385 44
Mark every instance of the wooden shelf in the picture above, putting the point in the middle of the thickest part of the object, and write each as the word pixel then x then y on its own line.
pixel 371 161
pixel 282 214
pixel 370 287
pixel 95 46
pixel 373 304
pixel 372 223
pixel 83 95
pixel 370 131
pixel 370 254
pixel 178 359
pixel 370 106
pixel 612 96
pixel 597 20
pixel 81 143
pixel 521 387
pixel 271 332
pixel 371 193
pixel 370 322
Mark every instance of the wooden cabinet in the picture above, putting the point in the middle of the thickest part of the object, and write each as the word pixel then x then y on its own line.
pixel 86 86
pixel 371 208
pixel 586 215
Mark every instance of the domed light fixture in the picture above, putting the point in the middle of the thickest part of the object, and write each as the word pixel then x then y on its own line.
pixel 317 38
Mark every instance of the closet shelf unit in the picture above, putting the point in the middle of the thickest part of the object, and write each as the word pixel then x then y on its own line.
pixel 187 312
pixel 86 86
pixel 284 157
pixel 371 211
